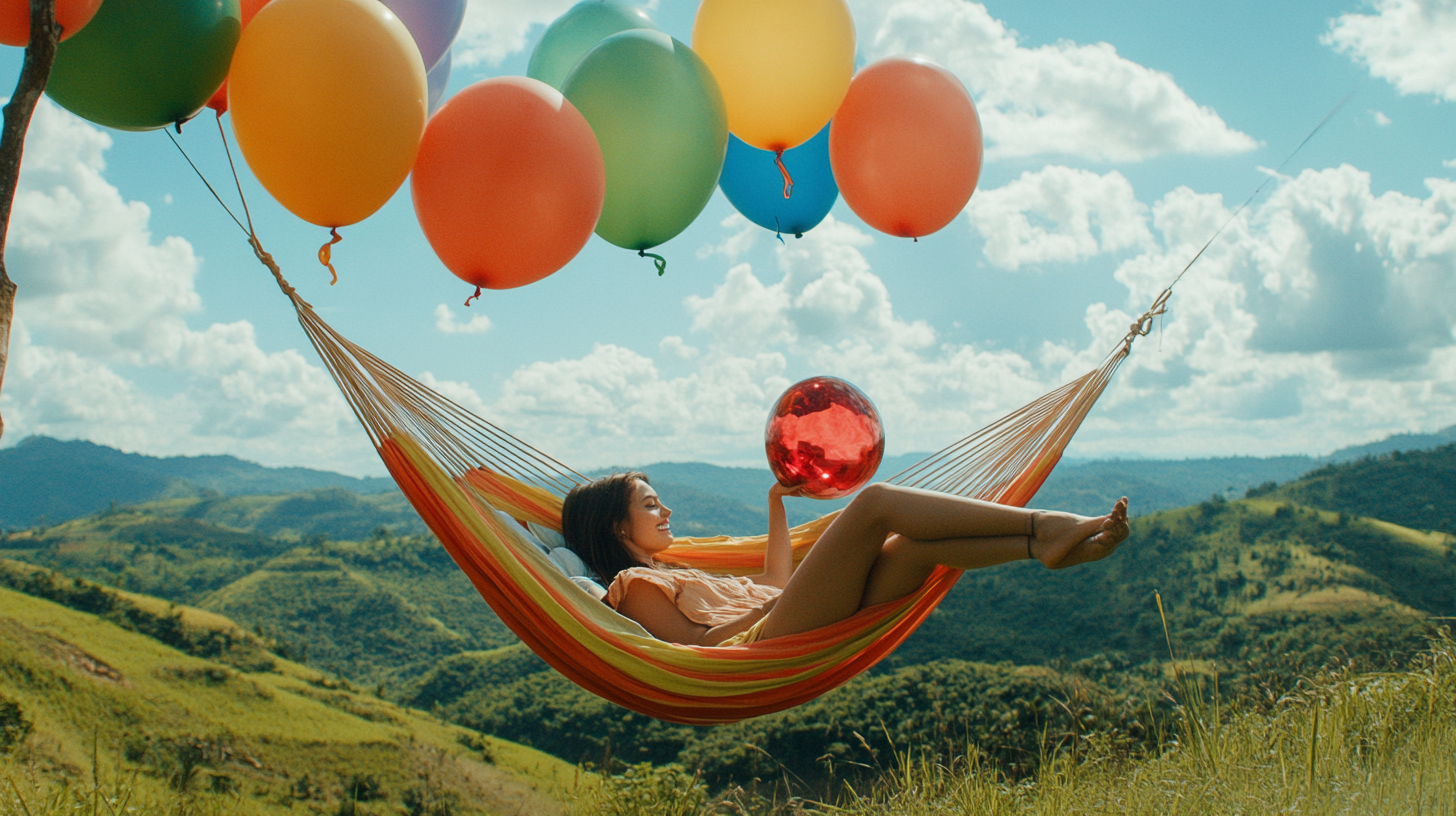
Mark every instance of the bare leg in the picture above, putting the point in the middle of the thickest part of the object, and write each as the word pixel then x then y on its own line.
pixel 856 563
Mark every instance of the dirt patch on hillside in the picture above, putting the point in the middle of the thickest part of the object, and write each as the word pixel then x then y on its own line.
pixel 62 651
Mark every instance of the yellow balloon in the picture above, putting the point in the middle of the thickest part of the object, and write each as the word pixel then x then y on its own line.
pixel 783 65
pixel 328 100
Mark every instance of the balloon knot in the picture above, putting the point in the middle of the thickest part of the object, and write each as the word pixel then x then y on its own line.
pixel 472 297
pixel 660 261
pixel 788 180
pixel 326 253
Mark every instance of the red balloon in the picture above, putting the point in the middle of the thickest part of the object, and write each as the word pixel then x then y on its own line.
pixel 906 146
pixel 825 435
pixel 509 182
pixel 219 100
pixel 15 19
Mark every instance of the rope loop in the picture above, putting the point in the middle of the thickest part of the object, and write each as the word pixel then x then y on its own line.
pixel 1144 324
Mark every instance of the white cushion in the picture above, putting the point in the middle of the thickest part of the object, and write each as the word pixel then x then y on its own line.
pixel 592 588
pixel 525 533
pixel 547 536
pixel 569 562
pixel 550 542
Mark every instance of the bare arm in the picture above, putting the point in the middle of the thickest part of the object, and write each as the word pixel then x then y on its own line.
pixel 778 556
pixel 650 606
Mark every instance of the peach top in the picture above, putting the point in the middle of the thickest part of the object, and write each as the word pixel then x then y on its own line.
pixel 704 598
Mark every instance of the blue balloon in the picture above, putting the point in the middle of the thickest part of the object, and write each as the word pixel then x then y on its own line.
pixel 753 183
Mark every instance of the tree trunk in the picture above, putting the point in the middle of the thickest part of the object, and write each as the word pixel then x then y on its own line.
pixel 45 33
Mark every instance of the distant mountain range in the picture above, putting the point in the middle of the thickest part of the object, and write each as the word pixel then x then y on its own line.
pixel 48 481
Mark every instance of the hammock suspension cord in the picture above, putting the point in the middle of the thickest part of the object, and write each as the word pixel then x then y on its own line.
pixel 471 482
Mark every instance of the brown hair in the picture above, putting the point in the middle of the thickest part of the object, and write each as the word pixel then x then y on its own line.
pixel 592 517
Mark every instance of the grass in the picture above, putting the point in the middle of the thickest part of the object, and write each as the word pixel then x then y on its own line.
pixel 118 720
pixel 1367 744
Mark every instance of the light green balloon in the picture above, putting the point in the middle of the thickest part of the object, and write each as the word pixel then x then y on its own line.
pixel 578 31
pixel 659 118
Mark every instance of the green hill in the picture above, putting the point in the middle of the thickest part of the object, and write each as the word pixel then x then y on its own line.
pixel 1414 489
pixel 1259 591
pixel 1243 580
pixel 1012 712
pixel 44 480
pixel 371 609
pixel 89 694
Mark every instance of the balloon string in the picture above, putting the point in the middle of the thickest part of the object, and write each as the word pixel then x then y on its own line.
pixel 778 230
pixel 656 259
pixel 326 252
pixel 788 179
pixel 472 297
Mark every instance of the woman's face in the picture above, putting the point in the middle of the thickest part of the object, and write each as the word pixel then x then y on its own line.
pixel 646 531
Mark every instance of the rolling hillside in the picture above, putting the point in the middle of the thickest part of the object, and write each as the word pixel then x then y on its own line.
pixel 1260 591
pixel 1413 488
pixel 44 480
pixel 371 609
pixel 90 693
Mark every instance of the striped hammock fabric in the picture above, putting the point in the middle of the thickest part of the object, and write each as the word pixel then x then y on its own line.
pixel 458 470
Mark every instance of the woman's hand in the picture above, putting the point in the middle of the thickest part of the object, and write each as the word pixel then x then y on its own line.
pixel 778 555
pixel 779 490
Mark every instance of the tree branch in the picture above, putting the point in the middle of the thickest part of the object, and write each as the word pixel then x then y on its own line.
pixel 45 33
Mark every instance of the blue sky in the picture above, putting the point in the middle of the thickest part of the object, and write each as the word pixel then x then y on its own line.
pixel 1119 136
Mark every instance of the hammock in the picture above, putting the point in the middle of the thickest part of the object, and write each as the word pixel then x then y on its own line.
pixel 476 486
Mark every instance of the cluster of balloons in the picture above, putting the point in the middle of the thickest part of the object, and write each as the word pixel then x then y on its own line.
pixel 617 129
pixel 329 98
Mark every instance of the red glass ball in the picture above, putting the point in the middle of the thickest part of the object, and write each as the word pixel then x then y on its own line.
pixel 826 435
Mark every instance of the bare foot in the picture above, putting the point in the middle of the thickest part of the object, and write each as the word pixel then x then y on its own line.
pixel 1064 539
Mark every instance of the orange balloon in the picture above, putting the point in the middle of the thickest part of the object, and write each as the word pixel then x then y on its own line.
pixel 218 102
pixel 328 101
pixel 509 182
pixel 905 146
pixel 15 19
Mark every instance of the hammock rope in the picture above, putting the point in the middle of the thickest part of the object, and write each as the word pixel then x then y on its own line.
pixel 475 485
pixel 462 472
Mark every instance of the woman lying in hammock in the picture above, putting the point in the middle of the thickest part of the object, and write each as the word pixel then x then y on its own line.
pixel 881 547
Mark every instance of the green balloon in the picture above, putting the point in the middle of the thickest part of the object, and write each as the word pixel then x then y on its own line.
pixel 659 118
pixel 145 64
pixel 576 32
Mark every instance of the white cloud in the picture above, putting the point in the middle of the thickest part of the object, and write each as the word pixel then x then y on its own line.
pixel 1059 99
pixel 446 323
pixel 674 348
pixel 1408 43
pixel 102 304
pixel 742 238
pixel 1380 118
pixel 1058 215
pixel 614 406
pixel 827 293
pixel 495 29
pixel 1321 319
